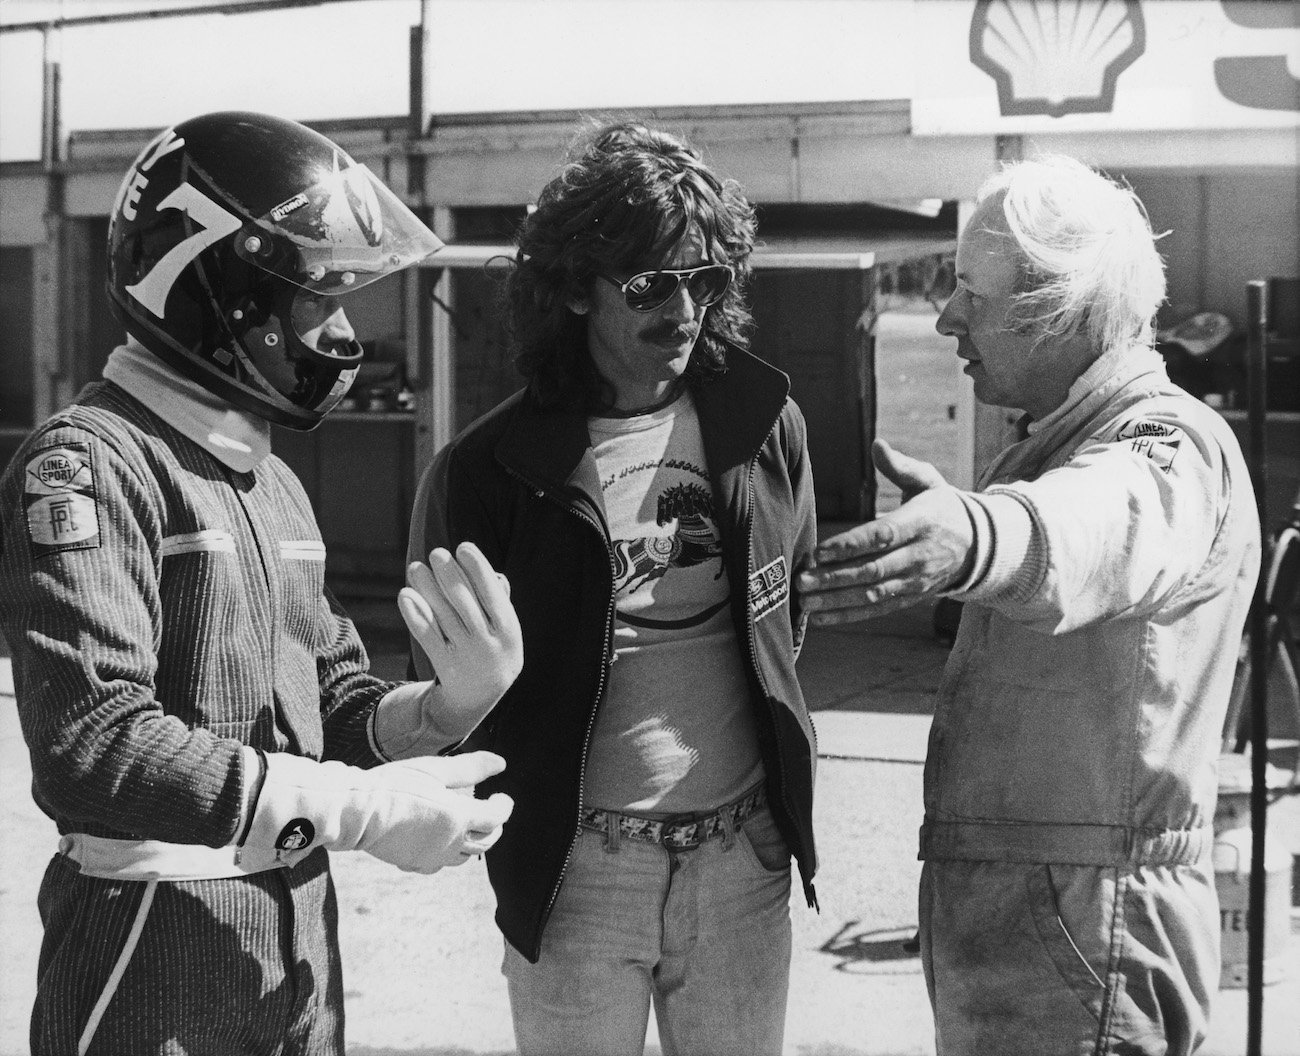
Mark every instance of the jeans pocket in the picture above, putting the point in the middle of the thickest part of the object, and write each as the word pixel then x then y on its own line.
pixel 1065 950
pixel 766 845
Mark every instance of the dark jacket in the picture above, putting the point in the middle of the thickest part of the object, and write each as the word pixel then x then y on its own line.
pixel 521 483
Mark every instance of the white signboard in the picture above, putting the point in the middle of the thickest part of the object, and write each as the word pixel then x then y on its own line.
pixel 1035 66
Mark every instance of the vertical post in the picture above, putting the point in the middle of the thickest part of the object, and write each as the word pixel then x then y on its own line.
pixel 439 301
pixel 51 107
pixel 428 353
pixel 1257 400
pixel 52 341
pixel 415 117
pixel 970 424
pixel 867 390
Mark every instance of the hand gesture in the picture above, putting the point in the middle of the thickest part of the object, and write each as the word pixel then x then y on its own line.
pixel 425 816
pixel 458 610
pixel 418 814
pixel 917 551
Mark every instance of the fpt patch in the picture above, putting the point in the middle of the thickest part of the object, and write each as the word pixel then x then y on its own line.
pixel 769 588
pixel 61 500
pixel 296 835
pixel 1158 441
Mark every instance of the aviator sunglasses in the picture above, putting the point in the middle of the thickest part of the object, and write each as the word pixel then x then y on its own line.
pixel 648 290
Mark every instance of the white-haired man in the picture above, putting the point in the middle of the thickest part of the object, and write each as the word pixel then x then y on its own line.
pixel 1106 562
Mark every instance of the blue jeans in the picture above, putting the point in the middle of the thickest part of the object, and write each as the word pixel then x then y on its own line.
pixel 704 932
pixel 1024 959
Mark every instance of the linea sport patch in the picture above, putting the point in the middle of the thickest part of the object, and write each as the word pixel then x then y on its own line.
pixel 61 500
pixel 768 588
pixel 1158 441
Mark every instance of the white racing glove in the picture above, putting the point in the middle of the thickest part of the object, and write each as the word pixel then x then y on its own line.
pixel 457 608
pixel 409 814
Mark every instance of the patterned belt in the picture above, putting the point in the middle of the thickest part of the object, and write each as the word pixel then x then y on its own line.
pixel 680 832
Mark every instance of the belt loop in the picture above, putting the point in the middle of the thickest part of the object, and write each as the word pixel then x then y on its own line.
pixel 728 827
pixel 611 832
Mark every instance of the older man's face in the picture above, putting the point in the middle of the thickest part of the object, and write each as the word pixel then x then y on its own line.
pixel 1008 368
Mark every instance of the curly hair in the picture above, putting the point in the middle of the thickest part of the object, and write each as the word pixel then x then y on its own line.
pixel 625 198
pixel 1088 258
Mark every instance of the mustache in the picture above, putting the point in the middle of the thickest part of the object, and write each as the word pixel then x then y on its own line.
pixel 668 331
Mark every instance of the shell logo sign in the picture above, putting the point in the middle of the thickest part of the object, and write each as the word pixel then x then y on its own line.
pixel 1054 58
pixel 1011 66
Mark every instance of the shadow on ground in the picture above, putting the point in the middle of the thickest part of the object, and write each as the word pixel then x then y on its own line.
pixel 879 946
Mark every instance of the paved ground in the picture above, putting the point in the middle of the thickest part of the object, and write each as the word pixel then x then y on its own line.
pixel 422 955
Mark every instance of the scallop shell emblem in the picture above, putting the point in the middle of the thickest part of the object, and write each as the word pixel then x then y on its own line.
pixel 1056 57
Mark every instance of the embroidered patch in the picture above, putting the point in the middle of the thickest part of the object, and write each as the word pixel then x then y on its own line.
pixel 61 501
pixel 769 587
pixel 1158 441
pixel 296 835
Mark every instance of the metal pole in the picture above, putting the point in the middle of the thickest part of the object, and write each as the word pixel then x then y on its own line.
pixel 1257 393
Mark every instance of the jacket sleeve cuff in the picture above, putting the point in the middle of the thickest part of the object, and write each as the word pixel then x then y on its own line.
pixel 1010 558
pixel 252 777
pixel 981 545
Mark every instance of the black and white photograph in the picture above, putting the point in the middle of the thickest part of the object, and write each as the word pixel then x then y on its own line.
pixel 650 527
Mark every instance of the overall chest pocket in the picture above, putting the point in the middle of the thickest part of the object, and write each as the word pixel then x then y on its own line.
pixel 302 588
pixel 202 587
pixel 205 610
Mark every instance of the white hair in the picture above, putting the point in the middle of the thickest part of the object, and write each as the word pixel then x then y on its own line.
pixel 1089 259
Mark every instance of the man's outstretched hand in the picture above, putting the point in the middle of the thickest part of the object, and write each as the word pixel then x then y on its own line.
pixel 900 558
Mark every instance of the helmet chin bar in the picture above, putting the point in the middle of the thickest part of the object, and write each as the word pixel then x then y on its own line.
pixel 279 368
pixel 349 355
pixel 302 409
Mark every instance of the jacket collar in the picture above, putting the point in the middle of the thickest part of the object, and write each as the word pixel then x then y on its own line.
pixel 1096 385
pixel 737 411
pixel 1093 392
pixel 549 448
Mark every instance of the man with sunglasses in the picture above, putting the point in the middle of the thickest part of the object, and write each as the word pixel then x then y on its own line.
pixel 648 494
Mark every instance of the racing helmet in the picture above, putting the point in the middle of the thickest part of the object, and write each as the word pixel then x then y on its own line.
pixel 219 225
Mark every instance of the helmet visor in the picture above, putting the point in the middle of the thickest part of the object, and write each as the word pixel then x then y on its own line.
pixel 341 233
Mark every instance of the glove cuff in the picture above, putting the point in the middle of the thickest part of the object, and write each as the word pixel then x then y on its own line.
pixel 298 808
pixel 408 723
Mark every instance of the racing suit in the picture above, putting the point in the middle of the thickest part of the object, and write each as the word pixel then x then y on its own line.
pixel 1067 903
pixel 164 610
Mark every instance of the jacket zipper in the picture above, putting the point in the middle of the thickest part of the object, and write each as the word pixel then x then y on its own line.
pixel 753 643
pixel 600 692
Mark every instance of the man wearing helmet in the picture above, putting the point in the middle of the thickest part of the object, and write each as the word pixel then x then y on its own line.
pixel 200 716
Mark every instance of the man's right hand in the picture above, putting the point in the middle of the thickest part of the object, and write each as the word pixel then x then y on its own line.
pixel 418 814
pixel 900 558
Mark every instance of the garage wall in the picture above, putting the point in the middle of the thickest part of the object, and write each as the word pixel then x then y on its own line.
pixel 1226 226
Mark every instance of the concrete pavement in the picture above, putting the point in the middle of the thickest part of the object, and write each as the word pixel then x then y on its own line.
pixel 422 955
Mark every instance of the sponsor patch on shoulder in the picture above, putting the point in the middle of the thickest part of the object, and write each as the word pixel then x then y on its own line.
pixel 1158 441
pixel 769 587
pixel 61 500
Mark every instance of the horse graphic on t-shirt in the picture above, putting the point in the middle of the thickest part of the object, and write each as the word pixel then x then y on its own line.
pixel 646 559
